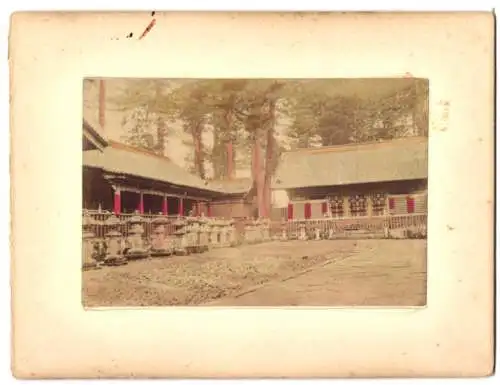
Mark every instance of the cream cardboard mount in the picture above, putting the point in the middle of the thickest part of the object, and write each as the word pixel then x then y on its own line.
pixel 54 336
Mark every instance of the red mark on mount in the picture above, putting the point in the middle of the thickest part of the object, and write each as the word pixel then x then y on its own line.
pixel 148 29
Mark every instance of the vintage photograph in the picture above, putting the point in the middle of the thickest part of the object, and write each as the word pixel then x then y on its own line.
pixel 254 192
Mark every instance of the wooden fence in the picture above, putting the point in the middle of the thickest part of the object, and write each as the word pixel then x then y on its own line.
pixel 105 233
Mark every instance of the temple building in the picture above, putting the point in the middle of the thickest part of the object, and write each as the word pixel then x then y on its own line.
pixel 124 179
pixel 355 180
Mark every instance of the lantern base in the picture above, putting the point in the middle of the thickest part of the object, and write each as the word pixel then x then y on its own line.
pixel 136 253
pixel 115 260
pixel 90 266
pixel 181 252
pixel 161 252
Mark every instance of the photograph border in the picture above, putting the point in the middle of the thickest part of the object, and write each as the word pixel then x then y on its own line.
pixel 54 337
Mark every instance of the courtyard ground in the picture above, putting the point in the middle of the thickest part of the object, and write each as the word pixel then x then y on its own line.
pixel 315 273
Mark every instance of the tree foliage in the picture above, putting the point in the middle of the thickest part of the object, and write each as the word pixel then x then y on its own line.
pixel 249 122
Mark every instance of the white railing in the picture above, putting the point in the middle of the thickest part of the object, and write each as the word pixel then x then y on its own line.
pixel 386 226
pixel 143 235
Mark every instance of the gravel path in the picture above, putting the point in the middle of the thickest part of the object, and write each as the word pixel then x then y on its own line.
pixel 221 277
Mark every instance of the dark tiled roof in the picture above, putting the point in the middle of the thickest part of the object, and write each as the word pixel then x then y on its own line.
pixel 122 159
pixel 93 132
pixel 232 186
pixel 400 159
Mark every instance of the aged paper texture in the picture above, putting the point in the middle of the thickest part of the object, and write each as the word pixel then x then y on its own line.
pixel 55 337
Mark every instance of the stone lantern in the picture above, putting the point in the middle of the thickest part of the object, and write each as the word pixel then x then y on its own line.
pixel 222 233
pixel 214 234
pixel 250 232
pixel 256 230
pixel 264 231
pixel 114 242
pixel 317 233
pixel 91 255
pixel 136 244
pixel 204 234
pixel 180 246
pixel 232 234
pixel 228 229
pixel 192 230
pixel 267 230
pixel 161 245
pixel 247 236
pixel 221 224
pixel 200 224
pixel 229 232
pixel 284 232
pixel 302 232
pixel 331 234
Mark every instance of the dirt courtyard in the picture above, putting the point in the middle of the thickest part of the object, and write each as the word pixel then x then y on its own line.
pixel 305 273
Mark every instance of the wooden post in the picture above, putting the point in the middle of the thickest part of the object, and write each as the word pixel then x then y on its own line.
pixel 164 207
pixel 141 203
pixel 307 210
pixel 324 208
pixel 181 207
pixel 290 211
pixel 410 204
pixel 117 204
pixel 391 204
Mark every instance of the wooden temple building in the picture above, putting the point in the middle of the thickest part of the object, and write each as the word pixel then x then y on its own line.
pixel 358 180
pixel 123 179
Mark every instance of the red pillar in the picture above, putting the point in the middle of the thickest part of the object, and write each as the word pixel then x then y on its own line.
pixel 209 211
pixel 117 206
pixel 141 203
pixel 290 211
pixel 181 207
pixel 324 207
pixel 164 207
pixel 391 204
pixel 410 205
pixel 307 210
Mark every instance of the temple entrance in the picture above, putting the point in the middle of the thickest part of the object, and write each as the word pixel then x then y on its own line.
pixel 153 204
pixel 129 202
pixel 173 206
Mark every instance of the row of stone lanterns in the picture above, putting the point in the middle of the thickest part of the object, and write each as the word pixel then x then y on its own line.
pixel 101 249
pixel 105 244
pixel 257 231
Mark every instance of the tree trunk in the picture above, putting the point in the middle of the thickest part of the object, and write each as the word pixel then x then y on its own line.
pixel 230 159
pixel 258 173
pixel 268 172
pixel 160 124
pixel 198 151
pixel 228 117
